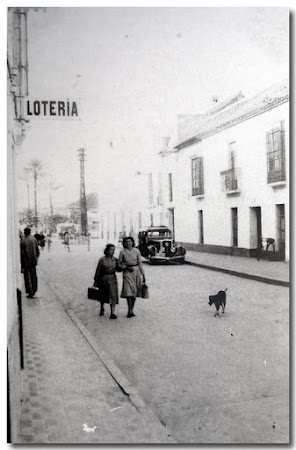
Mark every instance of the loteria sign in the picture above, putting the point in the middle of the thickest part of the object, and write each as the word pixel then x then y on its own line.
pixel 56 108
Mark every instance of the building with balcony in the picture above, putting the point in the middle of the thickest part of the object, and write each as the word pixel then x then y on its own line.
pixel 229 174
pixel 222 188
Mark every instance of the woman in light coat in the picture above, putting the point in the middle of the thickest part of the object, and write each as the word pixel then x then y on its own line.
pixel 130 263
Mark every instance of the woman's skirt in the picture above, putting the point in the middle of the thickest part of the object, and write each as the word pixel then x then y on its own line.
pixel 109 289
pixel 132 283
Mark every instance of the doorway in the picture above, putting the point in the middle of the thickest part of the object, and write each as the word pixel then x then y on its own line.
pixel 234 223
pixel 172 221
pixel 200 226
pixel 255 227
pixel 151 219
pixel 281 230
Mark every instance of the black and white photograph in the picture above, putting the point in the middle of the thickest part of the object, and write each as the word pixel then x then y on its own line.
pixel 148 224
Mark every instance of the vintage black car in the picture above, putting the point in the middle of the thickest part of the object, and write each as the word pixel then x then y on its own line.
pixel 157 245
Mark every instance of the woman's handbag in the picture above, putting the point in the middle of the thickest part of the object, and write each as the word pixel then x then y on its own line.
pixel 93 293
pixel 145 291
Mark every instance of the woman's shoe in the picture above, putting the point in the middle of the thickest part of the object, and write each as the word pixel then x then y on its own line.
pixel 113 316
pixel 129 315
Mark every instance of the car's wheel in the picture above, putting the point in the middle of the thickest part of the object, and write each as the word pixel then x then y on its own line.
pixel 181 250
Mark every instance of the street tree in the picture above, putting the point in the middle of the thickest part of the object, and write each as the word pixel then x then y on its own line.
pixel 25 176
pixel 51 221
pixel 37 169
pixel 52 185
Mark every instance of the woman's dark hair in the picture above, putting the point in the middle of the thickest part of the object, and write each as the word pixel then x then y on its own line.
pixel 107 248
pixel 125 239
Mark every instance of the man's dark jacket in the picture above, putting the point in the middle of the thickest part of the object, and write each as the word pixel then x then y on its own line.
pixel 29 252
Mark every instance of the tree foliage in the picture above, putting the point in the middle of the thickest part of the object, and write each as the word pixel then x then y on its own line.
pixel 26 216
pixel 75 216
pixel 51 222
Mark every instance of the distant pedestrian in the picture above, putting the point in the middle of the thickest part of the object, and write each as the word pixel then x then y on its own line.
pixel 49 241
pixel 29 259
pixel 37 236
pixel 133 273
pixel 106 280
pixel 67 240
pixel 42 240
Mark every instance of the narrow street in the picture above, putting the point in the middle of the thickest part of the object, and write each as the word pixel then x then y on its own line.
pixel 208 379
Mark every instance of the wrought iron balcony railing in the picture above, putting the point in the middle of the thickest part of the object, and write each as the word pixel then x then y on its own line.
pixel 275 176
pixel 199 190
pixel 231 180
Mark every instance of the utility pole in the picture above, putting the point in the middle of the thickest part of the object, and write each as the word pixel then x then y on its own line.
pixel 83 207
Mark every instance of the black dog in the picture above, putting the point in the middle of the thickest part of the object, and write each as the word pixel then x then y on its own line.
pixel 218 300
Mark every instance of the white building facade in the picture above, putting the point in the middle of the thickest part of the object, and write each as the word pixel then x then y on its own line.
pixel 162 189
pixel 230 180
pixel 224 188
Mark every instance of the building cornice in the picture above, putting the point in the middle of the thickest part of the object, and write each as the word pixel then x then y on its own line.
pixel 228 124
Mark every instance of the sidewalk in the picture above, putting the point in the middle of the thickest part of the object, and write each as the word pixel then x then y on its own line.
pixel 272 272
pixel 67 386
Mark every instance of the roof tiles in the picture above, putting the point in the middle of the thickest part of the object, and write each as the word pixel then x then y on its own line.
pixel 237 110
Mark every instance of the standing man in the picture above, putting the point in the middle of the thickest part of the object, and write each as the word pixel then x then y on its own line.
pixel 67 240
pixel 29 259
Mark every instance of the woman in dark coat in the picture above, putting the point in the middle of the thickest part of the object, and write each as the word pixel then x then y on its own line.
pixel 106 280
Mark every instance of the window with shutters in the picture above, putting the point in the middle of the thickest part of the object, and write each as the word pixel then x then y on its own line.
pixel 276 158
pixel 170 188
pixel 160 197
pixel 140 220
pixel 197 176
pixel 231 176
pixel 150 189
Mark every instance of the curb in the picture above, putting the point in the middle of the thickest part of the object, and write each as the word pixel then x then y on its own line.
pixel 241 274
pixel 124 384
pixel 120 379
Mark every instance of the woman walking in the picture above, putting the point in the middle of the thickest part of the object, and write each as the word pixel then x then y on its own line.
pixel 106 280
pixel 133 273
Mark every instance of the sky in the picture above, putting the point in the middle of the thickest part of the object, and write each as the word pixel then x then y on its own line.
pixel 131 72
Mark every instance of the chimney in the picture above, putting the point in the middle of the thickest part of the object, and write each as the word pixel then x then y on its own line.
pixel 165 143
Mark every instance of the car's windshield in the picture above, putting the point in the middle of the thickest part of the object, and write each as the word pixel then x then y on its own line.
pixel 161 233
